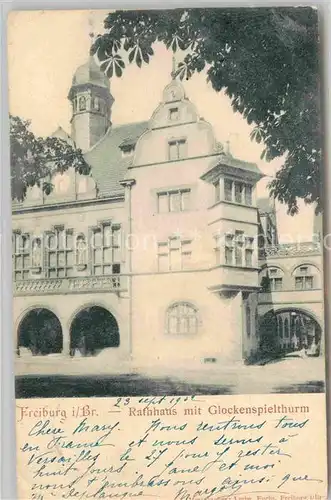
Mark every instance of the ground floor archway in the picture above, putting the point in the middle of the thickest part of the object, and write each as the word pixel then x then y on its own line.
pixel 40 332
pixel 290 330
pixel 93 329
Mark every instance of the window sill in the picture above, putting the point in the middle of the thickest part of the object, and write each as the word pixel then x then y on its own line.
pixel 220 202
pixel 242 268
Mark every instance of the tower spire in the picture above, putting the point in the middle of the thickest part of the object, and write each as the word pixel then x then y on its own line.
pixel 173 72
pixel 91 28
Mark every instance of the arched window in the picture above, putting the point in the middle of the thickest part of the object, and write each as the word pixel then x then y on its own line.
pixel 182 319
pixel 306 277
pixel 82 103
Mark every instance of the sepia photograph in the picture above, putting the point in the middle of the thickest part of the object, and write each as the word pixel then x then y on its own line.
pixel 166 185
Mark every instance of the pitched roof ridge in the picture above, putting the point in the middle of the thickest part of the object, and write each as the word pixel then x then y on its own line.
pixel 142 122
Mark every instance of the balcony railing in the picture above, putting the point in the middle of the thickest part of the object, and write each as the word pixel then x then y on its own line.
pixel 112 283
pixel 290 250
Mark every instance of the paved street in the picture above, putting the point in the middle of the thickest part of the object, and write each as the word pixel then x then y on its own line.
pixel 284 376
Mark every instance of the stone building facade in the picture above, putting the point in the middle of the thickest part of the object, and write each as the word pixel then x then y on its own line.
pixel 161 255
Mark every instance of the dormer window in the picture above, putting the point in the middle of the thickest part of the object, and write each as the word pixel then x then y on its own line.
pixel 173 114
pixel 128 150
pixel 177 149
pixel 127 147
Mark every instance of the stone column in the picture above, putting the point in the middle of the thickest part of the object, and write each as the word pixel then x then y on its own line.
pixel 66 340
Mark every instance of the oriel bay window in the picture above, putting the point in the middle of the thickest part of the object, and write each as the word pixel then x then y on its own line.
pixel 176 200
pixel 59 253
pixel 238 249
pixel 229 247
pixel 249 251
pixel 106 249
pixel 239 246
pixel 237 192
pixel 228 190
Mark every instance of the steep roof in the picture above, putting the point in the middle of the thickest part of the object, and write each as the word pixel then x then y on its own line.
pixel 108 165
pixel 90 73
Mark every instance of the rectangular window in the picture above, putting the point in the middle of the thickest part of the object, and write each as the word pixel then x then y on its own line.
pixel 106 250
pixel 309 282
pixel 174 255
pixel 173 114
pixel 248 194
pixel 229 249
pixel 276 284
pixel 173 151
pixel 59 253
pixel 177 149
pixel 182 150
pixel 217 251
pixel 248 257
pixel 238 192
pixel 239 245
pixel 228 189
pixel 228 256
pixel 299 283
pixel 217 188
pixel 249 242
pixel 163 262
pixel 163 203
pixel 185 199
pixel 174 201
pixel 21 256
pixel 186 260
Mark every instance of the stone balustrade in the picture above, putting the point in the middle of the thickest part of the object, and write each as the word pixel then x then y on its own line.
pixel 112 283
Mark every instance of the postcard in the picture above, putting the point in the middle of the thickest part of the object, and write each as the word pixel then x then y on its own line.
pixel 167 258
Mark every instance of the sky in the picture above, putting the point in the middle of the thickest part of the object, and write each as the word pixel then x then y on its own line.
pixel 46 47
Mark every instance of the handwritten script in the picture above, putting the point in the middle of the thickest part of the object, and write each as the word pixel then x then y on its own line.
pixel 171 448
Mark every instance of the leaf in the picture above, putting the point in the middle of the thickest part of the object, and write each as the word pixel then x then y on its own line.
pixel 138 58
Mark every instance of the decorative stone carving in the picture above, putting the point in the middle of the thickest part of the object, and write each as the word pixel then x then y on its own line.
pixel 37 286
pixel 81 253
pixel 95 283
pixel 290 250
pixel 36 256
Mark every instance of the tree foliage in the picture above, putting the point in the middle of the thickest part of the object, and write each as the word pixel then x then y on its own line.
pixel 265 59
pixel 34 160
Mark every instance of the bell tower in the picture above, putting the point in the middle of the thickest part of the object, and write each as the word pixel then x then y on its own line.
pixel 91 102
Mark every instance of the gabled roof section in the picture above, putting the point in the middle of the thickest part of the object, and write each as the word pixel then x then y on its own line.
pixel 60 133
pixel 108 165
pixel 226 163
